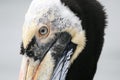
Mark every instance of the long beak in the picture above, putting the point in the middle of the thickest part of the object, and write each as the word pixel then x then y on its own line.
pixel 53 65
pixel 31 70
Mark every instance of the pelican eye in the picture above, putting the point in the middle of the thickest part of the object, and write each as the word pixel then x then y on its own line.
pixel 43 30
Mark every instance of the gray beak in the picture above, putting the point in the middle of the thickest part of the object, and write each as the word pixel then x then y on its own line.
pixel 57 51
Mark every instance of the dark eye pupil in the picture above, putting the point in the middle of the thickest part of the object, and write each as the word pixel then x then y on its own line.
pixel 43 30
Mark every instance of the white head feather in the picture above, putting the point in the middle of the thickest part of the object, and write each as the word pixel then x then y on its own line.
pixel 42 11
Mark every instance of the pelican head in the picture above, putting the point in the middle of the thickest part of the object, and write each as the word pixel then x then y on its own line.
pixel 52 39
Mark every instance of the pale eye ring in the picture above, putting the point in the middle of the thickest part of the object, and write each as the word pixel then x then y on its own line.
pixel 43 30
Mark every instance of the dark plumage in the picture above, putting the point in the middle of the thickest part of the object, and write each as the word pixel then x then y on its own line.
pixel 93 22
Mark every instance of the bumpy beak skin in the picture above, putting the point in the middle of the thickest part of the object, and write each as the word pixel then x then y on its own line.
pixel 52 64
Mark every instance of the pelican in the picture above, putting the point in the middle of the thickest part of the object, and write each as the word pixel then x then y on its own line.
pixel 62 40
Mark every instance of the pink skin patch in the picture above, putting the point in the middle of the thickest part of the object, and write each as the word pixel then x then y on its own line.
pixel 23 69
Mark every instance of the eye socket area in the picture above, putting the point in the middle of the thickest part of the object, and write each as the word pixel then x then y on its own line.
pixel 43 31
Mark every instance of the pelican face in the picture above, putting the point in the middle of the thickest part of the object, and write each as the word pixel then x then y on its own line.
pixel 51 41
